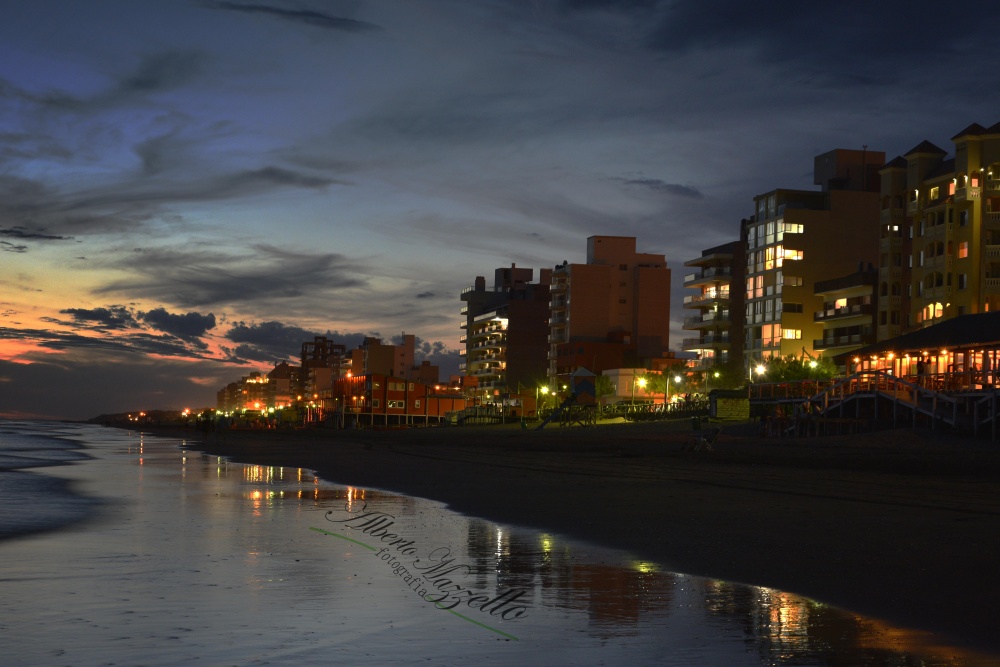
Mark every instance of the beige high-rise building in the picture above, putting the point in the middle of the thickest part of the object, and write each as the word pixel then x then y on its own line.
pixel 612 312
pixel 800 237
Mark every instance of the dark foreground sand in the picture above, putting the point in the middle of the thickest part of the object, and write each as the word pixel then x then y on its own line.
pixel 902 525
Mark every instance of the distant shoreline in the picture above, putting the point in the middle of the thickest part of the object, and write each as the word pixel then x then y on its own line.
pixel 900 525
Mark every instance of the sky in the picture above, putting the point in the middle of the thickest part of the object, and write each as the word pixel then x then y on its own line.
pixel 189 189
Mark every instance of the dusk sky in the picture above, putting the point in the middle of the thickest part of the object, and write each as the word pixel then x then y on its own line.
pixel 190 189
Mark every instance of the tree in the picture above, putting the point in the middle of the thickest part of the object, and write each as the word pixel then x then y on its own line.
pixel 603 386
pixel 795 369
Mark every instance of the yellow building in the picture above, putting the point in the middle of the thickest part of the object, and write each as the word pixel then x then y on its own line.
pixel 941 232
pixel 800 237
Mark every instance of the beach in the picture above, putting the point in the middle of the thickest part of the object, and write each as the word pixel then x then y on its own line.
pixel 902 525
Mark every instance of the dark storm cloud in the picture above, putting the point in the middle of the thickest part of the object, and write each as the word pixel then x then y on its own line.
pixel 135 343
pixel 188 326
pixel 308 17
pixel 861 40
pixel 657 185
pixel 274 341
pixel 110 318
pixel 31 207
pixel 22 233
pixel 10 247
pixel 196 277
pixel 425 295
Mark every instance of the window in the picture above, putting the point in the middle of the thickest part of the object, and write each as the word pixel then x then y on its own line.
pixel 395 405
pixel 375 403
pixel 412 386
pixel 793 334
pixel 963 249
pixel 935 193
pixel 416 403
pixel 793 307
pixel 792 254
pixel 793 281
pixel 951 187
pixel 963 280
pixel 623 267
pixel 963 218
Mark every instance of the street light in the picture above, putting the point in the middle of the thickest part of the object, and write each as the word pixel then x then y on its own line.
pixel 641 382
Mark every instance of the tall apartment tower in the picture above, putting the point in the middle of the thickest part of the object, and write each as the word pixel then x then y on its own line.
pixel 717 305
pixel 612 312
pixel 506 330
pixel 799 237
pixel 321 361
pixel 940 236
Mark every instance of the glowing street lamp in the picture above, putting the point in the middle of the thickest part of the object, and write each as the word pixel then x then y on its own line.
pixel 642 384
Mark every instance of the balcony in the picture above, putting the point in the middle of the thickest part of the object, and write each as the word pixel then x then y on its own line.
pixel 932 293
pixel 854 310
pixel 712 274
pixel 935 231
pixel 992 219
pixel 938 262
pixel 992 251
pixel 855 340
pixel 702 300
pixel 886 272
pixel 709 319
pixel 992 285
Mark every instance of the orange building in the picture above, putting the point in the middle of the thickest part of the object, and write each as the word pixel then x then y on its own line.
pixel 375 399
pixel 611 312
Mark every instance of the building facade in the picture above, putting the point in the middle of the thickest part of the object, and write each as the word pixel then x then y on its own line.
pixel 612 312
pixel 717 308
pixel 940 252
pixel 850 304
pixel 505 330
pixel 800 237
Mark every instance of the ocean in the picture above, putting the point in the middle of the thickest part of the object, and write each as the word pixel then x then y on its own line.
pixel 124 549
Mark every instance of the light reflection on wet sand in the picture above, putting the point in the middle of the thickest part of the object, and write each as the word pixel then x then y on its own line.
pixel 214 561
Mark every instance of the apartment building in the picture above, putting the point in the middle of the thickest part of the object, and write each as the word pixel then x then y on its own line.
pixel 940 232
pixel 612 312
pixel 718 308
pixel 800 237
pixel 506 330
pixel 848 312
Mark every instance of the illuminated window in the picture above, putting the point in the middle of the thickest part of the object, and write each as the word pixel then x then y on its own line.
pixel 792 334
pixel 840 303
pixel 963 249
pixel 951 188
pixel 792 254
pixel 935 192
pixel 793 281
pixel 769 259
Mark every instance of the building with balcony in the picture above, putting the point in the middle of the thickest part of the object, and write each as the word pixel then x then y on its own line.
pixel 716 309
pixel 505 331
pixel 800 237
pixel 940 239
pixel 849 312
pixel 612 312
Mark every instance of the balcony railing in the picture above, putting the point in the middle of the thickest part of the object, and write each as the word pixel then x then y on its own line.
pixel 847 311
pixel 842 341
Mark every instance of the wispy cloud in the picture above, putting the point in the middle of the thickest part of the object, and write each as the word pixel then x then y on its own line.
pixel 304 16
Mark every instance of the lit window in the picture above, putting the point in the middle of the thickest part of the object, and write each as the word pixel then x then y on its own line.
pixel 935 192
pixel 792 334
pixel 963 249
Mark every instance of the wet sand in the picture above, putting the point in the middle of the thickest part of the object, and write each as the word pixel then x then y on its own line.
pixel 903 525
